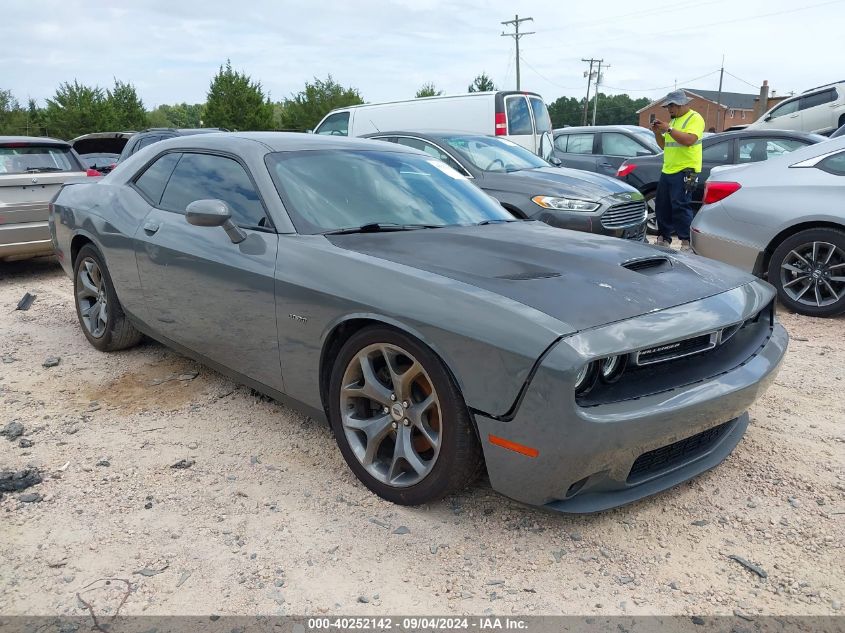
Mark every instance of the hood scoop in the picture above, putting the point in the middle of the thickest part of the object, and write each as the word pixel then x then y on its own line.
pixel 526 276
pixel 649 265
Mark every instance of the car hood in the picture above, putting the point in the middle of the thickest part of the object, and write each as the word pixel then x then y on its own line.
pixel 557 181
pixel 576 278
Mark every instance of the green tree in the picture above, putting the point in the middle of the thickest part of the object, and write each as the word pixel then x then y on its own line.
pixel 482 83
pixel 77 109
pixel 617 109
pixel 305 109
pixel 180 115
pixel 35 119
pixel 236 102
pixel 566 111
pixel 126 107
pixel 13 118
pixel 428 90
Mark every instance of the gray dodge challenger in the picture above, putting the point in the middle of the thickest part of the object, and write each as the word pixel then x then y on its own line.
pixel 375 287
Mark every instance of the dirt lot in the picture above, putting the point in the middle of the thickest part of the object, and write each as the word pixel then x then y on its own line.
pixel 269 520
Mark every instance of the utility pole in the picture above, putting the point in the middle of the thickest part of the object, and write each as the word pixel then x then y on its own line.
pixel 516 35
pixel 596 99
pixel 719 98
pixel 589 76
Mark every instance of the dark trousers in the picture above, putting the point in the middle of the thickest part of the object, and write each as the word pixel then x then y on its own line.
pixel 673 207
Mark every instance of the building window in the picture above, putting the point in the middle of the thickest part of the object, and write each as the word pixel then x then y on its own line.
pixel 652 117
pixel 743 115
pixel 733 113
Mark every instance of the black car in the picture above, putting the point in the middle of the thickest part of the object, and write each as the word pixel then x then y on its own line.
pixel 602 148
pixel 531 188
pixel 727 148
pixel 153 135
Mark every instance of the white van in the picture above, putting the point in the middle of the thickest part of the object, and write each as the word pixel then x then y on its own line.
pixel 819 110
pixel 521 117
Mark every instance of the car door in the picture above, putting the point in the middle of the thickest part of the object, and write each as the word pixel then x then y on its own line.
pixel 520 122
pixel 576 150
pixel 614 148
pixel 201 290
pixel 817 112
pixel 786 116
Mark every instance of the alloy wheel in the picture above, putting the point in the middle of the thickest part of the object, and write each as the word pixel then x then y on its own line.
pixel 92 298
pixel 391 415
pixel 813 274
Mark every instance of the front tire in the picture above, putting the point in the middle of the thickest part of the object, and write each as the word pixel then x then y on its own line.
pixel 651 221
pixel 100 314
pixel 399 419
pixel 808 270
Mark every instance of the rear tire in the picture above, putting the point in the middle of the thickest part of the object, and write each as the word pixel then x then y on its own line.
pixel 808 270
pixel 100 314
pixel 399 419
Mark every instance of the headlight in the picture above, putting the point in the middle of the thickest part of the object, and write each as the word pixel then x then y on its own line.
pixel 612 368
pixel 565 204
pixel 586 378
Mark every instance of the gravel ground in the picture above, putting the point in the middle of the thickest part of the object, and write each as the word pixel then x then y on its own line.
pixel 267 519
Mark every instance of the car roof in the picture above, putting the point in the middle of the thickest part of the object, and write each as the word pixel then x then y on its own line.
pixel 807 136
pixel 600 128
pixel 272 141
pixel 33 140
pixel 430 134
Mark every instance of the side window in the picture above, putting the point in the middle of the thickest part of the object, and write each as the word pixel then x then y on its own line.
pixel 146 141
pixel 580 144
pixel 616 144
pixel 153 180
pixel 519 118
pixel 431 150
pixel 717 153
pixel 336 124
pixel 817 99
pixel 834 164
pixel 542 120
pixel 201 176
pixel 787 107
pixel 560 142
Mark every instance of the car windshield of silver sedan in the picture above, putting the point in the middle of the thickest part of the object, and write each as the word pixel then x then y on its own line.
pixel 373 191
pixel 488 153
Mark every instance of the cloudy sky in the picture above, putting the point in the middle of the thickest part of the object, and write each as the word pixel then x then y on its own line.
pixel 387 49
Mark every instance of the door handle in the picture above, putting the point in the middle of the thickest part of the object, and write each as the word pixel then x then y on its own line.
pixel 606 164
pixel 793 116
pixel 151 226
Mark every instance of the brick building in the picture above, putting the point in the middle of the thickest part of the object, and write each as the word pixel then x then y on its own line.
pixel 737 108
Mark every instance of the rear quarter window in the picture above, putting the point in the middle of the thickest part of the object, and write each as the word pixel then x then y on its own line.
pixel 152 181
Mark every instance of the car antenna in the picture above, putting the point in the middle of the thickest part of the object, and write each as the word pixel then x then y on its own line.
pixel 374 125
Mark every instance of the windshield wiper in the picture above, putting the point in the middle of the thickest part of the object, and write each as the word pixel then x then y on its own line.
pixel 503 221
pixel 31 170
pixel 381 227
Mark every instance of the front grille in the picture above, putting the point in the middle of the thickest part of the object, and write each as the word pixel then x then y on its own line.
pixel 662 458
pixel 622 215
pixel 675 350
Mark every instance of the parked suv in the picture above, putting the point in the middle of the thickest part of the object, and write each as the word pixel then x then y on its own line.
pixel 32 170
pixel 602 148
pixel 819 110
pixel 153 135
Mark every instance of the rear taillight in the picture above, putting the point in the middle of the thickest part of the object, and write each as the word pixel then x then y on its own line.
pixel 501 124
pixel 92 172
pixel 715 191
pixel 624 170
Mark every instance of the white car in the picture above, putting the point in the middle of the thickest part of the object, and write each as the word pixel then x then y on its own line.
pixel 819 110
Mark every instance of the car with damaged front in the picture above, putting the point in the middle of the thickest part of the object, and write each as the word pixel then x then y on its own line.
pixel 373 286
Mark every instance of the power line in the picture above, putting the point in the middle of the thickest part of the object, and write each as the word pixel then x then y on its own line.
pixel 634 14
pixel 686 81
pixel 542 76
pixel 742 80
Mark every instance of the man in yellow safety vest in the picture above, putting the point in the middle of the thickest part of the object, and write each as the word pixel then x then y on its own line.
pixel 680 139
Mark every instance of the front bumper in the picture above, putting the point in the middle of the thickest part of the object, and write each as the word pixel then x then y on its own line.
pixel 599 457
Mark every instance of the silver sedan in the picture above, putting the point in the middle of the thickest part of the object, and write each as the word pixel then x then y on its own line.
pixel 783 219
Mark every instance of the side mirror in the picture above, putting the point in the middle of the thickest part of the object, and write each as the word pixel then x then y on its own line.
pixel 554 160
pixel 214 213
pixel 768 118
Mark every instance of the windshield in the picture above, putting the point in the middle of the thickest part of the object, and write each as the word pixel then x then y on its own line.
pixel 328 190
pixel 488 153
pixel 33 158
